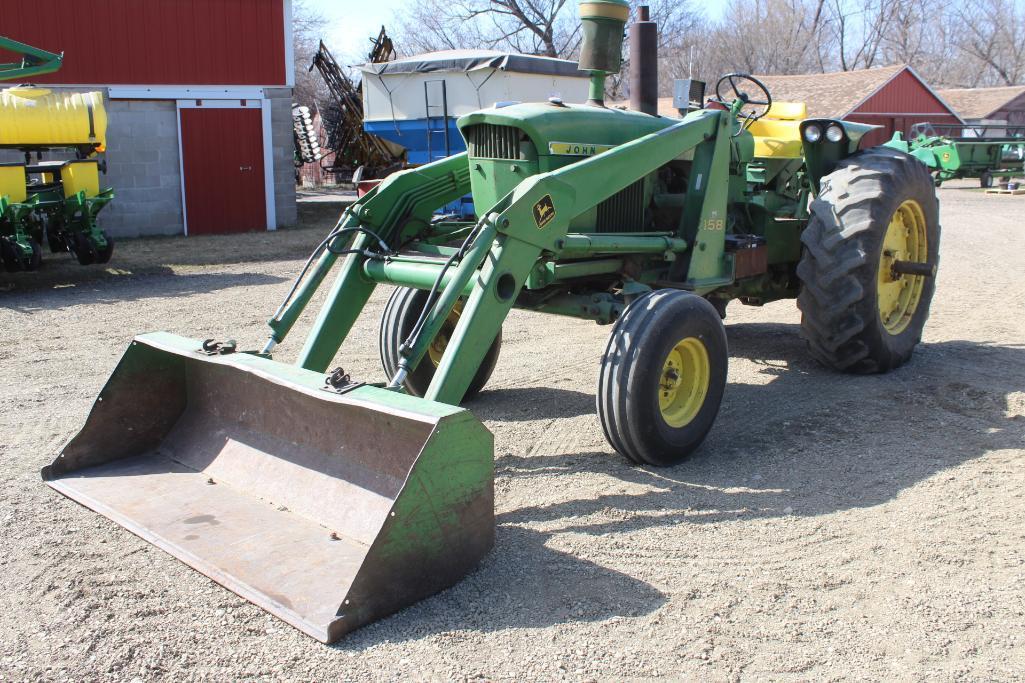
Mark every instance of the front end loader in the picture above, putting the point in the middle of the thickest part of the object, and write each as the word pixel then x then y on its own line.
pixel 331 501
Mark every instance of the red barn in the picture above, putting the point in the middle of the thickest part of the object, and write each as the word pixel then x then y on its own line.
pixel 198 95
pixel 893 97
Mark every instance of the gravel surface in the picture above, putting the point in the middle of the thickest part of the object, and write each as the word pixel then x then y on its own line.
pixel 831 526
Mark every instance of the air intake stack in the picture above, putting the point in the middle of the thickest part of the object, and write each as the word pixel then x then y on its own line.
pixel 601 53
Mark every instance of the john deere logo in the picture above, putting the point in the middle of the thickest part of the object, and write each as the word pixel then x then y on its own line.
pixel 544 211
pixel 577 149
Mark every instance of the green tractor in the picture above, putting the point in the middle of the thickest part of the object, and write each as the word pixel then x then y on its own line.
pixel 355 499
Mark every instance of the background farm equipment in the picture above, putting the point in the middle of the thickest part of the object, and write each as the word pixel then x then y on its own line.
pixel 54 202
pixel 970 151
pixel 349 146
pixel 331 501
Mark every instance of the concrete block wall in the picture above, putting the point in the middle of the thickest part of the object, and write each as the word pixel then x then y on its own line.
pixel 144 165
pixel 283 155
pixel 144 168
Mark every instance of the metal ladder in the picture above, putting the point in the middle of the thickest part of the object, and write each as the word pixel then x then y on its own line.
pixel 431 105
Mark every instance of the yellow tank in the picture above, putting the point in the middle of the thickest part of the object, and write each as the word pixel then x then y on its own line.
pixel 12 182
pixel 39 116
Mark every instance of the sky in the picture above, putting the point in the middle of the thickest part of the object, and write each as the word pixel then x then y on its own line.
pixel 349 24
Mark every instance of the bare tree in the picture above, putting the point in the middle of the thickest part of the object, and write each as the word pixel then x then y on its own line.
pixel 306 28
pixel 993 36
pixel 759 36
pixel 539 27
pixel 950 42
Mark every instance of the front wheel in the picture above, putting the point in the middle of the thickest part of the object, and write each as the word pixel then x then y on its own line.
pixel 662 377
pixel 397 321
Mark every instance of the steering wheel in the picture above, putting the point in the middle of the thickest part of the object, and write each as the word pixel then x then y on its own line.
pixel 750 109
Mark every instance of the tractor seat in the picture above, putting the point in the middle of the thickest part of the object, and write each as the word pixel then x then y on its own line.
pixel 777 134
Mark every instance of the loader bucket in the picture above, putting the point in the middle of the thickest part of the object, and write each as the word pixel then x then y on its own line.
pixel 328 511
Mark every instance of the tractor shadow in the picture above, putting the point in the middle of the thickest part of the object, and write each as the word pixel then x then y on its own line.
pixel 522 583
pixel 123 287
pixel 519 405
pixel 168 255
pixel 806 441
pixel 793 439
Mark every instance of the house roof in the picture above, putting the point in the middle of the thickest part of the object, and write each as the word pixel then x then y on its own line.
pixel 827 95
pixel 980 103
pixel 830 95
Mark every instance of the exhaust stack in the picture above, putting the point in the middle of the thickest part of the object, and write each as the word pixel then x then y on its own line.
pixel 644 63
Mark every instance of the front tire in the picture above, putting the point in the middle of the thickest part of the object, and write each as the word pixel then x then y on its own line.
pixel 876 211
pixel 397 321
pixel 662 377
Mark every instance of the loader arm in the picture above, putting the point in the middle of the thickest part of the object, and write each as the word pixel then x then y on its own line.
pixel 34 61
pixel 401 205
pixel 507 240
pixel 535 217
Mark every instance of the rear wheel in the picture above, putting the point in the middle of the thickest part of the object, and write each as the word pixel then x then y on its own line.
pixel 103 254
pixel 397 321
pixel 870 252
pixel 36 258
pixel 986 179
pixel 9 254
pixel 83 249
pixel 662 377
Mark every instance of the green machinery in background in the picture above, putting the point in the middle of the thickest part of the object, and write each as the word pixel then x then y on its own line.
pixel 332 502
pixel 967 151
pixel 50 201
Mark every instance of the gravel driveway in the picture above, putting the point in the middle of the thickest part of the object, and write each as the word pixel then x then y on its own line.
pixel 831 526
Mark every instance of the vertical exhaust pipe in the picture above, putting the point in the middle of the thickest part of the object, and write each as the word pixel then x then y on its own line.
pixel 644 63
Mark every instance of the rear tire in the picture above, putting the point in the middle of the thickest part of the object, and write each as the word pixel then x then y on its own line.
pixel 9 255
pixel 662 377
pixel 986 180
pixel 876 208
pixel 400 314
pixel 36 259
pixel 103 255
pixel 83 249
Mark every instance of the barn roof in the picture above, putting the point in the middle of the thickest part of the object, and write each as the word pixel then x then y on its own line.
pixel 980 103
pixel 830 95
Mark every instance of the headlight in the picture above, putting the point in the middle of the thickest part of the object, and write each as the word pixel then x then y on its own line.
pixel 834 133
pixel 813 133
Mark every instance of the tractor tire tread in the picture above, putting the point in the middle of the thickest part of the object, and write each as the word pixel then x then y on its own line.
pixel 838 266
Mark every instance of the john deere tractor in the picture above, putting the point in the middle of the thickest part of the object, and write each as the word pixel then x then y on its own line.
pixel 332 501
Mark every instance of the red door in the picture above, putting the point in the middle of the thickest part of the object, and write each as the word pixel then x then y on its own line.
pixel 222 152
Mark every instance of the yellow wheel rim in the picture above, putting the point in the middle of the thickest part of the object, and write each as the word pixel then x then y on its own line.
pixel 684 382
pixel 437 348
pixel 905 240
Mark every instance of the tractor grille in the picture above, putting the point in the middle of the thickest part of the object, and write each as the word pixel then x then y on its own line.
pixel 488 141
pixel 623 211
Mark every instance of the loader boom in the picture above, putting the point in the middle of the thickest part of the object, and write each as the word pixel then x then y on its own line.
pixel 508 241
pixel 34 61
